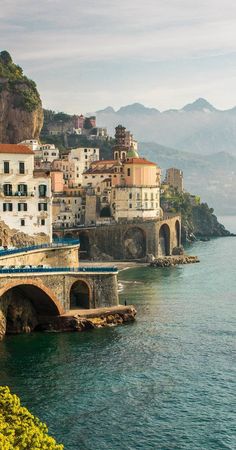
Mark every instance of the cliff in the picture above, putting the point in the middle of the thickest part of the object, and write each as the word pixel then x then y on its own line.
pixel 21 113
pixel 198 220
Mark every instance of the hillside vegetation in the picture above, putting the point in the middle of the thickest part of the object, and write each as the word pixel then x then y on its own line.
pixel 12 78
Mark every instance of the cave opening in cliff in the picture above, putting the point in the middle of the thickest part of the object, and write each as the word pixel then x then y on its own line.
pixel 80 295
pixel 24 306
pixel 164 240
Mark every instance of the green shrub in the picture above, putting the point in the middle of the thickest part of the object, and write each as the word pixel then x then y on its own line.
pixel 19 429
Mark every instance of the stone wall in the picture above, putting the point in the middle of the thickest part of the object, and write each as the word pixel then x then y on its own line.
pixel 26 299
pixel 130 241
pixel 15 238
pixel 53 257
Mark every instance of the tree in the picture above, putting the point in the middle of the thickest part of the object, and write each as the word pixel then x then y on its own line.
pixel 19 429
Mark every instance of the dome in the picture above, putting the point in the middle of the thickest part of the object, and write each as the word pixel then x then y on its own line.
pixel 132 153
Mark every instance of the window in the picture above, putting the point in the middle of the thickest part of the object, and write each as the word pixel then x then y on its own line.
pixel 22 222
pixel 128 172
pixel 22 189
pixel 42 190
pixel 42 221
pixel 22 206
pixel 130 195
pixel 7 189
pixel 6 167
pixel 21 168
pixel 42 207
pixel 7 207
pixel 130 205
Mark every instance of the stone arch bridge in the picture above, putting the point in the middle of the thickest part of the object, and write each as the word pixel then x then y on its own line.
pixel 28 295
pixel 130 240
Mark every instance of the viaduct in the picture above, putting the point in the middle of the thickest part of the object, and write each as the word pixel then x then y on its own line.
pixel 47 281
pixel 127 241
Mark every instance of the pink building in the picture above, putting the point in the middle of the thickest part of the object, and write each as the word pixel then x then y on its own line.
pixel 57 181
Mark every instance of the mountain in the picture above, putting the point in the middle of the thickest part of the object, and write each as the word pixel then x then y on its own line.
pixel 196 128
pixel 199 105
pixel 213 176
pixel 21 113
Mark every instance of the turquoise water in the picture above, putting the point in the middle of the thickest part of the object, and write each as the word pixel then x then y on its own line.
pixel 165 382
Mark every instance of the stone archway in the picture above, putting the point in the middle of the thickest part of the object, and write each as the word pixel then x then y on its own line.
pixel 84 245
pixel 105 211
pixel 177 233
pixel 164 240
pixel 134 242
pixel 80 295
pixel 23 305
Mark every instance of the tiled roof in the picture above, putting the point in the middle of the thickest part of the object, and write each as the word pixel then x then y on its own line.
pixel 139 161
pixel 16 149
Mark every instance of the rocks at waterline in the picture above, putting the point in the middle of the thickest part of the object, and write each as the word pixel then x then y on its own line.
pixel 170 261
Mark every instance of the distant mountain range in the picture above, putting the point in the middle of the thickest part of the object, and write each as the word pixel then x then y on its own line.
pixel 198 127
pixel 213 177
pixel 199 139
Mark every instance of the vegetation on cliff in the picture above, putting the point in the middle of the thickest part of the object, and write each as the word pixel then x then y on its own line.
pixel 65 141
pixel 198 220
pixel 19 429
pixel 26 96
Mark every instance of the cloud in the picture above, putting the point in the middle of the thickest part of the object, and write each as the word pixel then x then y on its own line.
pixel 53 37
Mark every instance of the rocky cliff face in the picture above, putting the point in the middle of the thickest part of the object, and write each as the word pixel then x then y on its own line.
pixel 16 124
pixel 21 113
pixel 10 237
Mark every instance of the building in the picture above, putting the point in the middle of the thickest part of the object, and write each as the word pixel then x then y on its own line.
pixel 25 194
pixel 74 164
pixel 174 178
pixel 138 195
pixel 44 153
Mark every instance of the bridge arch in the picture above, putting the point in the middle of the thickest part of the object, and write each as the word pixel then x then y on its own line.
pixel 42 297
pixel 164 239
pixel 80 295
pixel 177 233
pixel 25 303
pixel 84 245
pixel 134 241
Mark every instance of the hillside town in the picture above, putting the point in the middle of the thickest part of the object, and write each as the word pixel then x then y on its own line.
pixel 43 190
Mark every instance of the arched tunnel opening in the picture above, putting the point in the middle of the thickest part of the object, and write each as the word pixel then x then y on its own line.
pixel 164 240
pixel 80 295
pixel 84 246
pixel 24 307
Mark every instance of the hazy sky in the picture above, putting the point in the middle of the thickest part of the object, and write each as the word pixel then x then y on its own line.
pixel 86 55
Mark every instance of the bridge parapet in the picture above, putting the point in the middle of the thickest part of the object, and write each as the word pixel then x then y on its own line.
pixel 58 254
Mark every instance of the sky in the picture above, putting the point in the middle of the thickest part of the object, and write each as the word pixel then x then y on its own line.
pixel 87 55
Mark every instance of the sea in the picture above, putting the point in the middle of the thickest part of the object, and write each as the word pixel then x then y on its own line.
pixel 166 381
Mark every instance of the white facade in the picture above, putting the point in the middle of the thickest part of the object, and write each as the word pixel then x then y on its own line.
pixel 135 202
pixel 85 156
pixel 43 152
pixel 25 198
pixel 33 144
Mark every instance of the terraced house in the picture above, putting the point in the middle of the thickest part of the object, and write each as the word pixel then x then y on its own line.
pixel 25 193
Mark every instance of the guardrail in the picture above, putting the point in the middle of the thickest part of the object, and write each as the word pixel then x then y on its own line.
pixel 55 244
pixel 57 269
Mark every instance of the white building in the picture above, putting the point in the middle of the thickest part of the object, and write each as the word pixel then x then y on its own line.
pixel 135 202
pixel 85 156
pixel 44 153
pixel 75 163
pixel 25 195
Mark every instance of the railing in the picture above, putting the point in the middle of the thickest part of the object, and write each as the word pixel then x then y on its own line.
pixel 56 244
pixel 6 270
